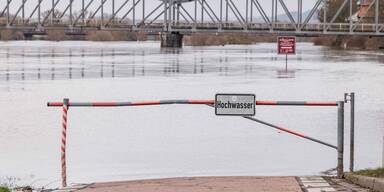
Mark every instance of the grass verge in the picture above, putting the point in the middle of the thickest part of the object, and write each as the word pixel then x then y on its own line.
pixel 378 172
pixel 4 189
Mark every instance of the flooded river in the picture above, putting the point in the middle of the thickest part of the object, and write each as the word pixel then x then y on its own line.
pixel 169 141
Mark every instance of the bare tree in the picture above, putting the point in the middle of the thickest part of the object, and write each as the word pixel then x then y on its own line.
pixel 332 6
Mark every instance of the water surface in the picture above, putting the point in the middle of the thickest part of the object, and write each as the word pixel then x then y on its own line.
pixel 168 141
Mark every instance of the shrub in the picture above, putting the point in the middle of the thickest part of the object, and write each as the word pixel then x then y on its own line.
pixel 4 189
pixel 100 36
pixel 56 35
pixel 6 35
pixel 123 36
pixel 200 39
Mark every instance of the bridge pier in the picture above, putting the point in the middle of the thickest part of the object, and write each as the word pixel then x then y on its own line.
pixel 171 39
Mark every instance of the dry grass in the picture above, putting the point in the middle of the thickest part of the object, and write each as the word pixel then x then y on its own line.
pixel 141 36
pixel 100 36
pixel 378 172
pixel 9 35
pixel 3 20
pixel 124 36
pixel 56 35
pixel 354 42
pixel 111 36
pixel 6 35
pixel 214 39
pixel 19 35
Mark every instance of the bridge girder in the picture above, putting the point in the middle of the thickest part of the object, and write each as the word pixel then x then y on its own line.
pixel 249 16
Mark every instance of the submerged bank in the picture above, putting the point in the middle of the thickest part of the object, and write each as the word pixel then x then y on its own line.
pixel 195 39
pixel 350 42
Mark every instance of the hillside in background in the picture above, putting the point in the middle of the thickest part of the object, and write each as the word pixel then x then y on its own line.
pixel 285 18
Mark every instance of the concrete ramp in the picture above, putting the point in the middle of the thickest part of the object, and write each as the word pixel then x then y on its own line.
pixel 201 184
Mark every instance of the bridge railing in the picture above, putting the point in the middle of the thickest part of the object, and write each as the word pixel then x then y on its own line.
pixel 110 24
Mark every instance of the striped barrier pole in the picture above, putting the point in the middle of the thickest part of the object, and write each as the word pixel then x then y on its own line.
pixel 63 143
pixel 291 132
pixel 192 102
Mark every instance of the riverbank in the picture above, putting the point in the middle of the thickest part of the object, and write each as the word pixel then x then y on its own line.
pixel 350 42
pixel 198 39
pixel 61 35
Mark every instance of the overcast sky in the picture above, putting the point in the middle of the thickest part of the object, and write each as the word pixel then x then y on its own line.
pixel 151 4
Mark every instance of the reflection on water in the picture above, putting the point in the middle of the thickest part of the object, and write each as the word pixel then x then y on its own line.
pixel 54 62
pixel 285 73
pixel 103 63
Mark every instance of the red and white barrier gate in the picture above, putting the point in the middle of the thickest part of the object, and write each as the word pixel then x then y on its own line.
pixel 340 104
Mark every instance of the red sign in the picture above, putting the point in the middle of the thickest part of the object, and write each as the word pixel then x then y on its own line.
pixel 286 45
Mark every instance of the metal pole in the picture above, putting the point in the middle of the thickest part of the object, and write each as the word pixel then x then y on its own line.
pixel 352 144
pixel 290 132
pixel 251 19
pixel 23 12
pixel 350 15
pixel 170 13
pixel 273 13
pixel 275 10
pixel 351 98
pixel 82 11
pixel 174 14
pixel 383 155
pixel 8 16
pixel 39 13
pixel 71 13
pixel 377 7
pixel 143 11
pixel 133 13
pixel 340 139
pixel 202 11
pixel 63 143
pixel 286 62
pixel 113 7
pixel 52 11
pixel 178 12
pixel 195 17
pixel 102 13
pixel 300 16
pixel 325 16
pixel 226 11
pixel 205 102
pixel 246 11
pixel 165 15
pixel 221 14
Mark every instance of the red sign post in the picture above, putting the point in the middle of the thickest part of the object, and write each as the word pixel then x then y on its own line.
pixel 286 45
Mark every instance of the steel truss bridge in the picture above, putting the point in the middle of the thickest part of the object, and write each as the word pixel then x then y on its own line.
pixel 186 16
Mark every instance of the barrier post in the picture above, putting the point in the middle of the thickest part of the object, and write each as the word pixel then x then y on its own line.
pixel 340 139
pixel 63 143
pixel 382 163
pixel 350 97
pixel 352 150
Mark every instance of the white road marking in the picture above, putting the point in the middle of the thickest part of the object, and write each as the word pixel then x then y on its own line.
pixel 315 184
